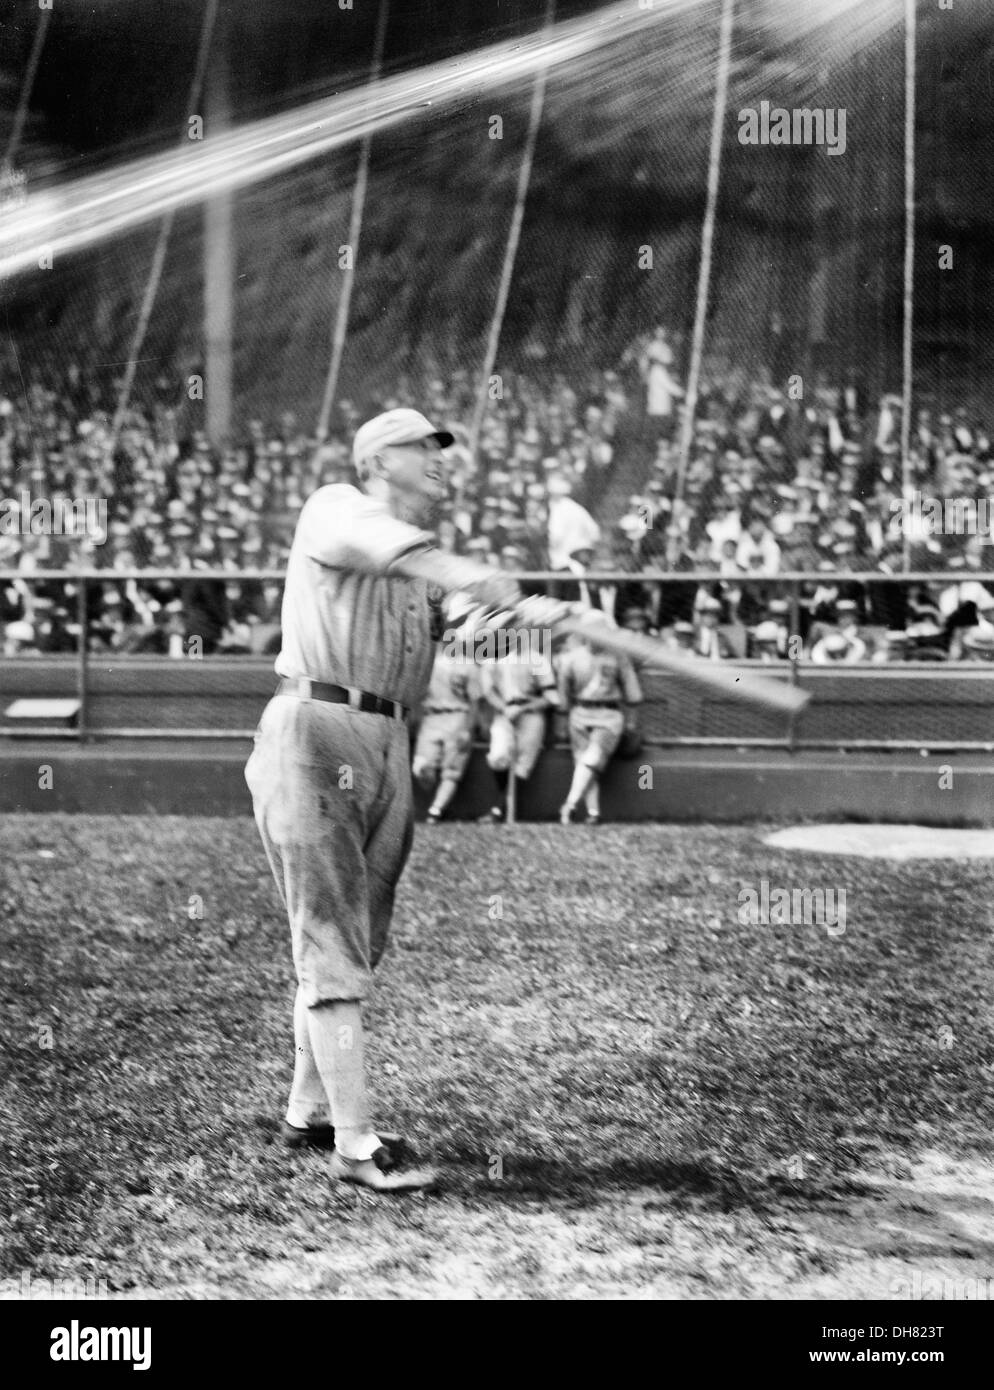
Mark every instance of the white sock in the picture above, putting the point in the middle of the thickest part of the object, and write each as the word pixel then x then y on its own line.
pixel 356 1144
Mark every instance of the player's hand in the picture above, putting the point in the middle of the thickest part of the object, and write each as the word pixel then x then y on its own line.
pixel 495 591
pixel 538 611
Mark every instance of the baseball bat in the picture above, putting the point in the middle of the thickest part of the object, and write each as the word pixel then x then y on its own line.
pixel 724 678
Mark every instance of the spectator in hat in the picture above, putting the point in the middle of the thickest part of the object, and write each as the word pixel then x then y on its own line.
pixel 511 558
pixel 709 642
pixel 765 643
pixel 846 630
pixel 831 650
pixel 758 552
pixel 19 639
pixel 778 613
pixel 206 612
pixel 637 619
pixel 847 617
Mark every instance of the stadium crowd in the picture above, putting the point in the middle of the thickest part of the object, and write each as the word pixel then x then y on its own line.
pixel 773 485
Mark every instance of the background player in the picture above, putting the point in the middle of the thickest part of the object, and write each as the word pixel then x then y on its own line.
pixel 445 739
pixel 595 687
pixel 520 686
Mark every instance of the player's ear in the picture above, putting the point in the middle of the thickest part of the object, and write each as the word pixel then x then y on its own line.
pixel 378 466
pixel 370 468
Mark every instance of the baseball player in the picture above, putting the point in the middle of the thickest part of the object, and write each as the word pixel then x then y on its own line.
pixel 595 687
pixel 445 739
pixel 520 686
pixel 330 771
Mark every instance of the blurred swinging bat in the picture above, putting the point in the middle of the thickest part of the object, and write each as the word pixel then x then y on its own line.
pixel 722 677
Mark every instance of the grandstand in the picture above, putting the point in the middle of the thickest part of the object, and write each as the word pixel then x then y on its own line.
pixel 664 352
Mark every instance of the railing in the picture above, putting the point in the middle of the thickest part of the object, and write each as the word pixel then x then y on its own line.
pixel 850 700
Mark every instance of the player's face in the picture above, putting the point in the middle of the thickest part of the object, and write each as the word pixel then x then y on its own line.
pixel 418 475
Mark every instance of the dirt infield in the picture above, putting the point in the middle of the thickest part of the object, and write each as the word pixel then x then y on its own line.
pixel 631 1087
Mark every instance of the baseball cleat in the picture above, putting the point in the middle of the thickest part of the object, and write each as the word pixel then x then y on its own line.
pixel 593 818
pixel 376 1173
pixel 565 814
pixel 433 817
pixel 308 1136
pixel 495 816
pixel 393 1147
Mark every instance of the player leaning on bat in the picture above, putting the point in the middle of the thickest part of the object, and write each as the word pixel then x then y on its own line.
pixel 330 771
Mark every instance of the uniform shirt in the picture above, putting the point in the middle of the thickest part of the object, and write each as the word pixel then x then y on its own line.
pixel 346 620
pixel 454 686
pixel 598 677
pixel 516 678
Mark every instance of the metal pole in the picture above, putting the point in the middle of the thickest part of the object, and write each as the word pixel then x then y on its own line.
pixel 21 114
pixel 82 655
pixel 512 798
pixel 795 659
pixel 355 229
pixel 707 244
pixel 909 256
pixel 511 249
pixel 219 253
pixel 794 642
pixel 165 232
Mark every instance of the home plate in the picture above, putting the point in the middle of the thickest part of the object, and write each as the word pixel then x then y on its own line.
pixel 887 841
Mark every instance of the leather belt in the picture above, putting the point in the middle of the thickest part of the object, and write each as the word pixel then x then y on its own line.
pixel 305 689
pixel 598 704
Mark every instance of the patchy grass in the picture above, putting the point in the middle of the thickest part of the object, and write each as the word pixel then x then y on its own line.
pixel 629 1092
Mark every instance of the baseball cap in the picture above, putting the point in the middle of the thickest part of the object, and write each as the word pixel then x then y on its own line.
pixel 400 426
